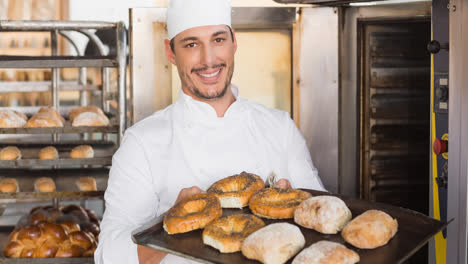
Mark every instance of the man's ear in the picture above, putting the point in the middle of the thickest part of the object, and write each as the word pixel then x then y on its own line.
pixel 169 53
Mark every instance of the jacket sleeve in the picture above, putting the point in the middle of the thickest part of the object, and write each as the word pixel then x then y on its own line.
pixel 301 170
pixel 131 201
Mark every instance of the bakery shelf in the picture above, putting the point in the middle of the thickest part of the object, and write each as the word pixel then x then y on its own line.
pixel 67 128
pixel 26 197
pixel 33 163
pixel 39 62
pixel 45 86
pixel 5 232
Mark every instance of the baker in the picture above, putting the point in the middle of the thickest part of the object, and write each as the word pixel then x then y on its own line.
pixel 209 133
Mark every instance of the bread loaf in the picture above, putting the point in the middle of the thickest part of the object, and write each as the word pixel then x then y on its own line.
pixel 82 152
pixel 49 152
pixel 10 153
pixel 10 118
pixel 370 230
pixel 326 252
pixel 273 244
pixel 9 185
pixel 86 184
pixel 46 117
pixel 88 116
pixel 325 214
pixel 44 184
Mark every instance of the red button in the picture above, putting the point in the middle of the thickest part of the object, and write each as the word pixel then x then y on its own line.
pixel 439 146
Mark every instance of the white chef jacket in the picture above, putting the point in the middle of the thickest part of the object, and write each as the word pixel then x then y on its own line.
pixel 186 145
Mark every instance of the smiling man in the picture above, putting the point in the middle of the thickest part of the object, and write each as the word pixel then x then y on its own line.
pixel 209 133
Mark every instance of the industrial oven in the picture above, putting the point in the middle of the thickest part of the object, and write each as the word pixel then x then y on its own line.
pixel 108 93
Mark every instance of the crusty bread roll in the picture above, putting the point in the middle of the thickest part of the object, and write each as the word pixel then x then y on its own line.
pixel 49 152
pixel 86 184
pixel 10 118
pixel 9 185
pixel 226 234
pixel 274 243
pixel 82 152
pixel 235 191
pixel 325 214
pixel 88 116
pixel 10 153
pixel 46 117
pixel 326 252
pixel 44 184
pixel 371 229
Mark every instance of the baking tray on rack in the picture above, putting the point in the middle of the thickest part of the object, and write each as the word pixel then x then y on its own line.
pixel 67 128
pixel 414 231
pixel 34 163
pixel 26 197
pixel 4 233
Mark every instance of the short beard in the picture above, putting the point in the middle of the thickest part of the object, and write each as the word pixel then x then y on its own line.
pixel 197 93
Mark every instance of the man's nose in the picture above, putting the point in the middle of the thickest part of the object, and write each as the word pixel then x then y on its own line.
pixel 208 56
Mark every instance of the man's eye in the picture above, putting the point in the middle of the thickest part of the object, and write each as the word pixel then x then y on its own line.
pixel 190 45
pixel 218 40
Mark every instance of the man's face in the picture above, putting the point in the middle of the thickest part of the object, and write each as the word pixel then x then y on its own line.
pixel 204 57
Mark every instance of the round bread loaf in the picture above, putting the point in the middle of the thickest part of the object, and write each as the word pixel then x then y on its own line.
pixel 226 234
pixel 82 152
pixel 326 252
pixel 90 119
pixel 49 152
pixel 10 153
pixel 86 184
pixel 274 243
pixel 9 185
pixel 325 214
pixel 276 203
pixel 371 229
pixel 10 118
pixel 44 184
pixel 235 191
pixel 46 117
pixel 84 109
pixel 194 212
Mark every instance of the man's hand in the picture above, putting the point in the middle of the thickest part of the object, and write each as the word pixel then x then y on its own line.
pixel 282 184
pixel 186 192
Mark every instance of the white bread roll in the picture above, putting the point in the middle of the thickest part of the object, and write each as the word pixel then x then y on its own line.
pixel 371 229
pixel 82 152
pixel 9 118
pixel 10 153
pixel 273 244
pixel 86 184
pixel 49 152
pixel 325 214
pixel 88 116
pixel 326 252
pixel 44 184
pixel 9 185
pixel 46 117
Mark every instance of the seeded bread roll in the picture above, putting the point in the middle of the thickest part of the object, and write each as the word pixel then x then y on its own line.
pixel 44 184
pixel 49 152
pixel 86 184
pixel 9 185
pixel 82 152
pixel 10 153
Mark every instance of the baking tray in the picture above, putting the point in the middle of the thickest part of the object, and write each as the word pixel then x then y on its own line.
pixel 414 231
pixel 67 128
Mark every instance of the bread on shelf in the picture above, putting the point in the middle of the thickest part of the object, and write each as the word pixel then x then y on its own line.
pixel 88 116
pixel 44 184
pixel 10 153
pixel 9 185
pixel 46 117
pixel 86 184
pixel 10 118
pixel 49 152
pixel 82 152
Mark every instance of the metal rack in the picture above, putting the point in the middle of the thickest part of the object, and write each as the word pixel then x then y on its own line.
pixel 66 170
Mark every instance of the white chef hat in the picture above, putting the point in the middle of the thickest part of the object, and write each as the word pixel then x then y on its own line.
pixel 185 14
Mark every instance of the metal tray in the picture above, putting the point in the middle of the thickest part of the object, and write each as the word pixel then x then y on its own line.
pixel 67 128
pixel 27 197
pixel 414 230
